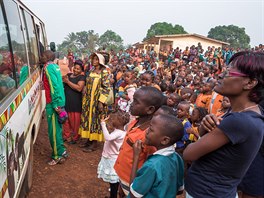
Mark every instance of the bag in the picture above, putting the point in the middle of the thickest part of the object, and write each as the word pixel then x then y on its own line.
pixel 110 99
pixel 62 116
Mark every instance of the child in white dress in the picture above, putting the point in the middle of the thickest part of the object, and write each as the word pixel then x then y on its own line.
pixel 113 141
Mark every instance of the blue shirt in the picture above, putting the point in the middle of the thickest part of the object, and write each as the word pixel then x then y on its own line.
pixel 186 125
pixel 218 173
pixel 160 176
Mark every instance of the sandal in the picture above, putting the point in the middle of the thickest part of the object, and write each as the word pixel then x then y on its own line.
pixel 65 154
pixel 89 150
pixel 56 161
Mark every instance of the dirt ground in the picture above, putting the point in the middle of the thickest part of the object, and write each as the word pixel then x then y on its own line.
pixel 77 177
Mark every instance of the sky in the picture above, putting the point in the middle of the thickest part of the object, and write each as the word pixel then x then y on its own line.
pixel 131 19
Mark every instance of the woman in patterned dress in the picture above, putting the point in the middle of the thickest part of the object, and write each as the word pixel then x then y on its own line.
pixel 94 106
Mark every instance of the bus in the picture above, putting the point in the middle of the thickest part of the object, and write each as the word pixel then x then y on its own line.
pixel 22 102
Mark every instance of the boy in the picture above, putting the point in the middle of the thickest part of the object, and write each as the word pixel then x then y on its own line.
pixel 183 114
pixel 146 101
pixel 162 174
pixel 204 98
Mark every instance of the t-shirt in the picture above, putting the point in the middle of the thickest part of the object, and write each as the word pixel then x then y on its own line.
pixel 123 165
pixel 218 173
pixel 160 176
pixel 73 97
pixel 186 125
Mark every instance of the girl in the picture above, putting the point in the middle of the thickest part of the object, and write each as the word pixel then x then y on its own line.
pixel 229 145
pixel 73 86
pixel 126 91
pixel 147 79
pixel 113 142
pixel 197 115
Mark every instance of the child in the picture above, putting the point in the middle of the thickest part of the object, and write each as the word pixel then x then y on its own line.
pixel 204 98
pixel 195 86
pixel 112 144
pixel 188 95
pixel 162 174
pixel 147 79
pixel 224 108
pixel 173 100
pixel 126 91
pixel 183 115
pixel 179 84
pixel 164 110
pixel 146 101
pixel 197 115
pixel 73 86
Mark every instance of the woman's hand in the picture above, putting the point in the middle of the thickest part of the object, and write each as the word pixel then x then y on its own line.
pixel 209 123
pixel 65 79
pixel 100 107
pixel 84 90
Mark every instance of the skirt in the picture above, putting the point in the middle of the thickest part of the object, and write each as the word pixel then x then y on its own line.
pixel 106 170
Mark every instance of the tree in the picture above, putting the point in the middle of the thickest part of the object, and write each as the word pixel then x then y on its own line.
pixel 82 42
pixel 110 40
pixel 70 42
pixel 164 28
pixel 232 34
pixel 92 41
pixel 87 41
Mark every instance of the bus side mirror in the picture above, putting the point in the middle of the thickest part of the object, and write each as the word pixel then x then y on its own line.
pixel 53 46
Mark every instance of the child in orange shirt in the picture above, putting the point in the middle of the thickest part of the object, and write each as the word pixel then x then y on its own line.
pixel 146 101
pixel 204 98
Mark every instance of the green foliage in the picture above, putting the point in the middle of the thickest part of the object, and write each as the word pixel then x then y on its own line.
pixel 110 40
pixel 80 42
pixel 232 34
pixel 164 28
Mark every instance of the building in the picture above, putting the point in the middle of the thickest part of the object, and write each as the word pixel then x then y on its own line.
pixel 166 42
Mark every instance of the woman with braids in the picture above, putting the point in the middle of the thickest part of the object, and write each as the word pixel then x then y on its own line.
pixel 227 147
pixel 147 79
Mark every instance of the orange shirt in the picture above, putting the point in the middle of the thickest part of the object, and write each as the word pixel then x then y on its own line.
pixel 123 165
pixel 203 100
pixel 215 103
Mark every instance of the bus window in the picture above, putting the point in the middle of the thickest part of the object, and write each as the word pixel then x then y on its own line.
pixel 31 41
pixel 41 39
pixel 8 73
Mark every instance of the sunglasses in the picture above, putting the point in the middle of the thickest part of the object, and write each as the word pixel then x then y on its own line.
pixel 228 74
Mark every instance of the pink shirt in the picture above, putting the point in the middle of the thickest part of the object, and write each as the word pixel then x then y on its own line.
pixel 113 142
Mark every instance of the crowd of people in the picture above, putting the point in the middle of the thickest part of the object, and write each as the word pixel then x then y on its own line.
pixel 170 121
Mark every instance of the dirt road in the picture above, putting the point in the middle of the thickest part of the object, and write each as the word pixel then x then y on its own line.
pixel 77 177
